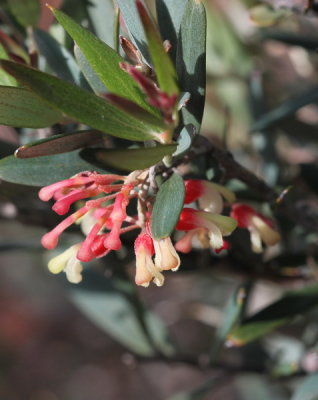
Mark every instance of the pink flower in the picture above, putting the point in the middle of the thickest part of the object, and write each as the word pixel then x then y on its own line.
pixel 261 228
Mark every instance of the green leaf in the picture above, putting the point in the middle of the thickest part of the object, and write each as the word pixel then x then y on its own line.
pixel 308 389
pixel 164 68
pixel 185 140
pixel 170 13
pixel 286 109
pixel 104 61
pixel 275 315
pixel 81 105
pixel 27 12
pixel 95 83
pixel 231 315
pixel 114 313
pixel 58 144
pixel 21 108
pixel 5 79
pixel 57 57
pixel 42 171
pixel 130 14
pixel 167 207
pixel 128 159
pixel 191 64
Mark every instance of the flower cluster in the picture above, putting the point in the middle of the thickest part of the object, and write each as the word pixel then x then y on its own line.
pixel 105 219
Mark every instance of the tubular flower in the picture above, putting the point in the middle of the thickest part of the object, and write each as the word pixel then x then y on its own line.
pixel 201 224
pixel 146 270
pixel 261 228
pixel 103 216
pixel 209 195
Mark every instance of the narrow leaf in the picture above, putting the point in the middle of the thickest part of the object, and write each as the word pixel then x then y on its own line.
pixel 275 315
pixel 58 144
pixel 308 389
pixel 231 316
pixel 21 108
pixel 95 83
pixel 128 159
pixel 42 171
pixel 167 207
pixel 81 105
pixel 164 68
pixel 286 109
pixel 191 65
pixel 104 61
pixel 27 12
pixel 170 13
pixel 57 57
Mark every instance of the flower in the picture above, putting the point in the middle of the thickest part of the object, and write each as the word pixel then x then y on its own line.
pixel 260 227
pixel 202 223
pixel 146 270
pixel 68 263
pixel 208 194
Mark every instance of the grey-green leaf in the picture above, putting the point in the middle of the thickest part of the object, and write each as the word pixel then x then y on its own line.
pixel 129 159
pixel 308 389
pixel 42 171
pixel 130 14
pixel 102 15
pixel 104 61
pixel 57 57
pixel 170 13
pixel 58 144
pixel 167 208
pixel 21 108
pixel 81 105
pixel 191 65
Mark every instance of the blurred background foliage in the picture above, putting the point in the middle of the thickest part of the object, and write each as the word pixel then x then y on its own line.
pixel 107 339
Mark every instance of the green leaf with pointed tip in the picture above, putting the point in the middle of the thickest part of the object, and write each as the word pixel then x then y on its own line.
pixel 58 58
pixel 167 207
pixel 95 83
pixel 308 389
pixel 27 12
pixel 42 171
pixel 21 108
pixel 275 315
pixel 191 65
pixel 104 61
pixel 129 159
pixel 58 144
pixel 164 68
pixel 81 105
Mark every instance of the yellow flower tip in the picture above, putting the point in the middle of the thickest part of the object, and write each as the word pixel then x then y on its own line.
pixel 68 263
pixel 50 7
pixel 166 256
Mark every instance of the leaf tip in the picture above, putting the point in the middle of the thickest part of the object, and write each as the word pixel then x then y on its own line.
pixel 50 7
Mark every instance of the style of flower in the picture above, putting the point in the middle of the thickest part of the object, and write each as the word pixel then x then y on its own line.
pixel 261 228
